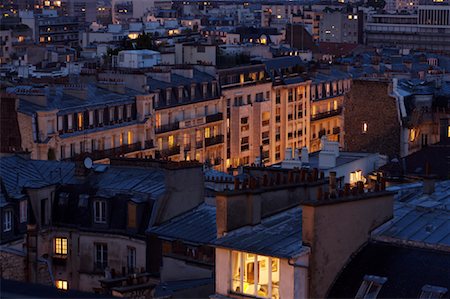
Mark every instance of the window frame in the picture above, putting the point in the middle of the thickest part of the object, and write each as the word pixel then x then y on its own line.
pixel 62 248
pixel 7 220
pixel 100 207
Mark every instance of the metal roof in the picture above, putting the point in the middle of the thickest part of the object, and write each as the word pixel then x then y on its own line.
pixel 279 235
pixel 421 220
pixel 96 97
pixel 196 226
pixel 17 173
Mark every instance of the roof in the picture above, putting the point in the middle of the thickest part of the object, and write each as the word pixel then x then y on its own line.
pixel 196 226
pixel 342 159
pixel 407 270
pixel 279 235
pixel 65 102
pixel 177 80
pixel 17 173
pixel 420 220
pixel 119 179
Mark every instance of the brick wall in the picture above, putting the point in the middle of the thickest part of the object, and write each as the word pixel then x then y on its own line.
pixel 369 102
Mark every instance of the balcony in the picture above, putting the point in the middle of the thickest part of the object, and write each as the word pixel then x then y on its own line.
pixel 167 128
pixel 265 122
pixel 214 117
pixel 214 140
pixel 326 114
pixel 174 150
pixel 187 147
pixel 110 153
pixel 265 141
pixel 148 144
pixel 199 144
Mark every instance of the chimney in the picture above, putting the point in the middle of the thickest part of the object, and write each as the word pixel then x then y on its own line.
pixel 288 154
pixel 160 75
pixel 339 227
pixel 328 153
pixel 296 154
pixel 237 209
pixel 305 155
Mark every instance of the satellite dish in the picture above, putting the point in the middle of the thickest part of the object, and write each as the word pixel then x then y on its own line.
pixel 88 162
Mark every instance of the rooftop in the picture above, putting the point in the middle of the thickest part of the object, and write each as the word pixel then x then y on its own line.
pixel 94 96
pixel 279 235
pixel 197 226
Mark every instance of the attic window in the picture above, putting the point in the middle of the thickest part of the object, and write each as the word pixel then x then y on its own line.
pixel 370 287
pixel 433 292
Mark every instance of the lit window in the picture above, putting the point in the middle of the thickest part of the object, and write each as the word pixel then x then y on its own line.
pixel 207 132
pixel 80 121
pixel 255 275
pixel 350 17
pixel 370 287
pixel 23 211
pixel 47 3
pixel 171 141
pixel 129 138
pixel 61 284
pixel 432 292
pixel 57 3
pixel 7 221
pixel 61 246
pixel 355 17
pixel 364 127
pixel 21 38
pixel 100 211
pixel 412 135
pixel 356 176
pixel 448 131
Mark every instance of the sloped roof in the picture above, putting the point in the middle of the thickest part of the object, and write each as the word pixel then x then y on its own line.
pixel 279 235
pixel 17 172
pixel 407 270
pixel 196 226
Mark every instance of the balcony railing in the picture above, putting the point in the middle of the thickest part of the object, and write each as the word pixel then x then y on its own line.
pixel 167 128
pixel 148 144
pixel 110 153
pixel 174 150
pixel 199 144
pixel 214 140
pixel 214 117
pixel 326 114
pixel 265 123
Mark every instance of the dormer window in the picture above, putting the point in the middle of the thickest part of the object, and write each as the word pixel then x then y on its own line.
pixel 432 292
pixel 111 114
pixel 370 287
pixel 100 211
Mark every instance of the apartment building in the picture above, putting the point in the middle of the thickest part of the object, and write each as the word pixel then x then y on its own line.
pixel 328 88
pixel 278 15
pixel 339 26
pixel 88 224
pixel 57 30
pixel 310 19
pixel 427 29
pixel 66 121
pixel 247 93
pixel 188 123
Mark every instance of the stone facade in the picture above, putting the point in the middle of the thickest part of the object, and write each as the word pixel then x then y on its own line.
pixel 371 120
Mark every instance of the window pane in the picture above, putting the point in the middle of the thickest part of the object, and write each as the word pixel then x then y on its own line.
pixel 275 278
pixel 263 267
pixel 249 273
pixel 236 272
